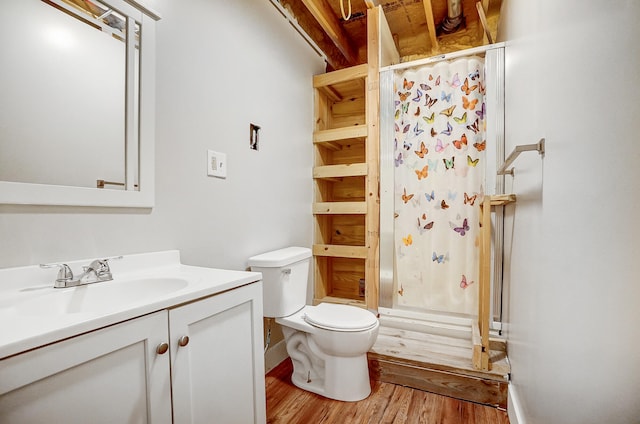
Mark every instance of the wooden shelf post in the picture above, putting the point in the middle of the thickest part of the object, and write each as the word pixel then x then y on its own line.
pixel 480 330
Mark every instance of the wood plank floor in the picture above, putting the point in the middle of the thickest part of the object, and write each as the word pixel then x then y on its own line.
pixel 388 403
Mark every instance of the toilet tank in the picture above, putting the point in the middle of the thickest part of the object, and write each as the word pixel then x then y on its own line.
pixel 285 273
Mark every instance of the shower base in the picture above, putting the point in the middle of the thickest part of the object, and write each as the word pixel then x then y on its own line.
pixel 440 362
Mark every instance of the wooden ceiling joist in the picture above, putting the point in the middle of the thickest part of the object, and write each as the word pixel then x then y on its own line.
pixel 322 12
pixel 431 24
pixel 309 24
pixel 483 21
pixel 413 25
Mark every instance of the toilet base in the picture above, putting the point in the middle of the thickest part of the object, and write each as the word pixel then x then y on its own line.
pixel 329 363
pixel 345 379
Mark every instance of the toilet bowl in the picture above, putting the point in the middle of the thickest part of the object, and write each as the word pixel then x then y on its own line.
pixel 327 343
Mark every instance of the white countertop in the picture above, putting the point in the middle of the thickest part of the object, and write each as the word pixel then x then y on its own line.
pixel 21 331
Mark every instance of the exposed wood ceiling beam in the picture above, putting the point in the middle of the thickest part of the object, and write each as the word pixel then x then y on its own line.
pixel 330 24
pixel 344 42
pixel 308 23
pixel 483 21
pixel 431 24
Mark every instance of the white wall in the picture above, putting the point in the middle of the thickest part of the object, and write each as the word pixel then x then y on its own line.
pixel 220 65
pixel 572 77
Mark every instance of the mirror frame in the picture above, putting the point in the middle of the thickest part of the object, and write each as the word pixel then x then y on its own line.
pixel 45 194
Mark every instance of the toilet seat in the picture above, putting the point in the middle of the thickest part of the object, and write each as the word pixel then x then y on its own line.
pixel 334 317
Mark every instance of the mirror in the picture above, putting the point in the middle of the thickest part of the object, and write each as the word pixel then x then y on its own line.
pixel 76 102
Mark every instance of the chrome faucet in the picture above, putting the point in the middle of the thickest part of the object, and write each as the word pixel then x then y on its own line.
pixel 97 271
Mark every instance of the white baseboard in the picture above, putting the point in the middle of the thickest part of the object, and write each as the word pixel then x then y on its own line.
pixel 514 407
pixel 275 354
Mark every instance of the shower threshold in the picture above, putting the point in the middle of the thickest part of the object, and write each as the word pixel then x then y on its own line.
pixel 437 358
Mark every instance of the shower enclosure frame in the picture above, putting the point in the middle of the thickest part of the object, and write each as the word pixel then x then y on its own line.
pixel 494 98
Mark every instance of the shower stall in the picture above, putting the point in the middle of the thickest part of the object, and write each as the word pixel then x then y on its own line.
pixel 441 141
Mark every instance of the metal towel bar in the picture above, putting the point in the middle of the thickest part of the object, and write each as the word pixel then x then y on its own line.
pixel 539 147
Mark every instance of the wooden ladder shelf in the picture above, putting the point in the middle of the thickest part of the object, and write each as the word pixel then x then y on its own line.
pixel 346 204
pixel 345 141
pixel 480 333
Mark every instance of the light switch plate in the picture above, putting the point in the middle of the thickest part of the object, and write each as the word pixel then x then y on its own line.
pixel 216 164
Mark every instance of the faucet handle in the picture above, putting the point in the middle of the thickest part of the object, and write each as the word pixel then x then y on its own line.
pixel 101 266
pixel 64 273
pixel 105 261
pixel 112 258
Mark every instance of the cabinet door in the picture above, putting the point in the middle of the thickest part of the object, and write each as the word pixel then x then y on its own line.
pixel 112 375
pixel 218 376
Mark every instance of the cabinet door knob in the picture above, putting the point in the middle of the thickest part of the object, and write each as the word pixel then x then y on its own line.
pixel 183 341
pixel 162 348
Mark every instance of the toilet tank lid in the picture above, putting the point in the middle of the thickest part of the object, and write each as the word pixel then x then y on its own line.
pixel 281 257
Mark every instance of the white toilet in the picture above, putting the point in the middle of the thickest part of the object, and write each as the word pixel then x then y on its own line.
pixel 327 343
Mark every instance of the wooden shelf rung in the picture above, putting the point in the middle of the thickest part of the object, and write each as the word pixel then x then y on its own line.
pixel 337 251
pixel 338 171
pixel 340 208
pixel 336 134
pixel 342 75
pixel 339 300
pixel 501 199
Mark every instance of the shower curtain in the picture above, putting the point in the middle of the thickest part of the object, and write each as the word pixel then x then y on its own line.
pixel 438 185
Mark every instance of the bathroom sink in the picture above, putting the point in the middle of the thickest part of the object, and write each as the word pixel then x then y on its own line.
pixel 33 313
pixel 99 297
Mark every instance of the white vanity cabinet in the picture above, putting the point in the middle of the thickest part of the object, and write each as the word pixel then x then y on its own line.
pixel 112 375
pixel 122 374
pixel 218 376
